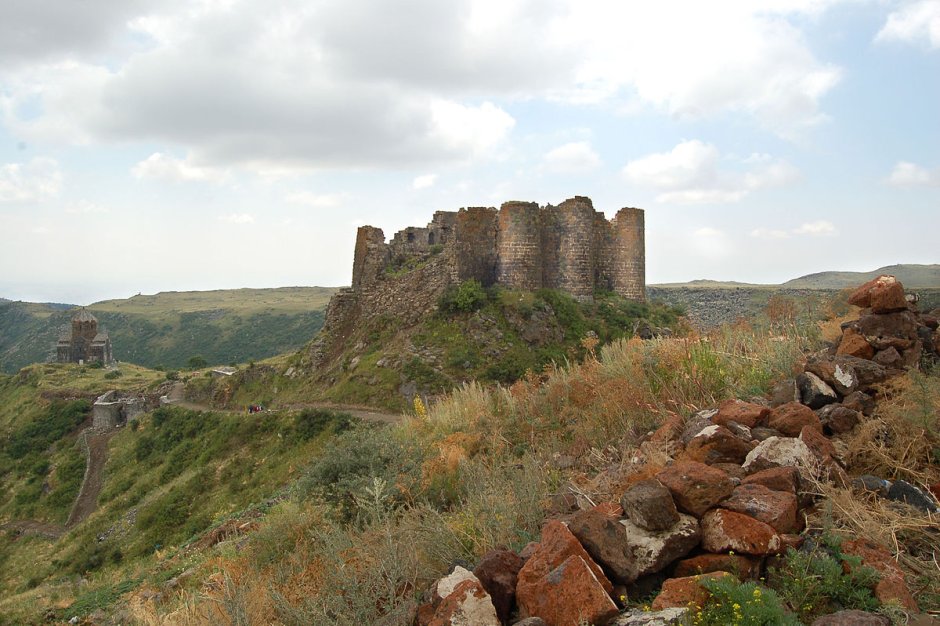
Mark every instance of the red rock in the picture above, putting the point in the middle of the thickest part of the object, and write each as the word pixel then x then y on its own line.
pixel 887 297
pixel 742 567
pixel 746 413
pixel 724 531
pixel 776 478
pixel 889 357
pixel 558 543
pixel 569 595
pixel 889 329
pixel 685 592
pixel 882 294
pixel 892 585
pixel 733 470
pixel 836 372
pixel 837 418
pixel 819 445
pixel 467 605
pixel 716 444
pixel 854 344
pixel 935 490
pixel 790 418
pixel 670 430
pixel 653 551
pixel 861 402
pixel 775 508
pixel 605 540
pixel 695 487
pixel 498 572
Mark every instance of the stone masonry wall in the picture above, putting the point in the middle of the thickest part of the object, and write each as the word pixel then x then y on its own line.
pixel 475 244
pixel 628 254
pixel 370 257
pixel 575 257
pixel 519 246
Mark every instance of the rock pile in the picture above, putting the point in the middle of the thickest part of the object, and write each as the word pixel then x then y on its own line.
pixel 731 498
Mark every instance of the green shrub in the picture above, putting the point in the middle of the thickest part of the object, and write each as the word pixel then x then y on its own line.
pixel 814 582
pixel 311 422
pixel 467 297
pixel 172 375
pixel 113 374
pixel 742 604
pixel 196 362
pixel 59 419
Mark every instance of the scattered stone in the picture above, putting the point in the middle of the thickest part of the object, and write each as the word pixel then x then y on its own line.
pixel 467 605
pixel 605 540
pixel 889 329
pixel 717 444
pixel 724 530
pixel 741 566
pixel 651 551
pixel 649 505
pixel 889 357
pixel 666 617
pixel 854 344
pixel 747 413
pixel 790 419
pixel 685 592
pixel 814 393
pixel 734 471
pixel 819 445
pixel 882 292
pixel 852 618
pixel 838 418
pixel 775 508
pixel 531 621
pixel 498 572
pixel 783 392
pixel 610 509
pixel 569 594
pixel 781 452
pixel 695 487
pixel 891 585
pixel 859 401
pixel 867 482
pixel 776 478
pixel 695 424
pixel 903 491
pixel 760 433
pixel 558 543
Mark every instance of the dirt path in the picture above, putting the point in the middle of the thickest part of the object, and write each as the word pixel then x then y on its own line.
pixel 87 500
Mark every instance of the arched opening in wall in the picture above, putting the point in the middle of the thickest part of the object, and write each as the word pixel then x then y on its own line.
pixel 430 239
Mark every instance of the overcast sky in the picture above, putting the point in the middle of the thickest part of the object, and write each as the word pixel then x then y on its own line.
pixel 201 144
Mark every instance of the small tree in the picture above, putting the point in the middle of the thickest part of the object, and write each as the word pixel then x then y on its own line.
pixel 196 362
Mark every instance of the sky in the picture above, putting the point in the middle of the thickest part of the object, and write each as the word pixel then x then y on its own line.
pixel 206 144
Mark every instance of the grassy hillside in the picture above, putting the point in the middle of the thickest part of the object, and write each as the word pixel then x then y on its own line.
pixel 171 475
pixel 167 329
pixel 490 335
pixel 912 276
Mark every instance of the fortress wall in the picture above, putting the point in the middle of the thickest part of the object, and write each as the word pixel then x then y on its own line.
pixel 370 257
pixel 410 241
pixel 442 227
pixel 603 244
pixel 628 256
pixel 519 246
pixel 574 225
pixel 475 245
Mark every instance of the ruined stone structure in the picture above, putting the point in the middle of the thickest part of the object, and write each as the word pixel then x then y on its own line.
pixel 521 245
pixel 570 247
pixel 85 343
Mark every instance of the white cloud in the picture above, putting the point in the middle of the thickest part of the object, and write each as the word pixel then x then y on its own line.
pixel 574 157
pixel 711 243
pixel 317 200
pixel 769 233
pixel 690 174
pixel 237 218
pixel 39 179
pixel 83 207
pixel 162 166
pixel 424 181
pixel 907 174
pixel 354 83
pixel 819 228
pixel 914 22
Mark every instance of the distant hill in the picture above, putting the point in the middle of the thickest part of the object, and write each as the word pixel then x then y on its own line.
pixel 912 277
pixel 168 328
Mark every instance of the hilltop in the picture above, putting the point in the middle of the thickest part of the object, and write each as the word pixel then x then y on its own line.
pixel 166 329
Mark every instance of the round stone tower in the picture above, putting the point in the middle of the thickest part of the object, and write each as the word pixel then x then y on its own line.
pixel 575 226
pixel 519 246
pixel 628 252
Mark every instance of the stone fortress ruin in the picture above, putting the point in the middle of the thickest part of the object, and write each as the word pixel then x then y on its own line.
pixel 520 246
pixel 85 343
pixel 570 247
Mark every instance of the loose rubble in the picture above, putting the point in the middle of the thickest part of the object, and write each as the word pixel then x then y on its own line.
pixel 734 494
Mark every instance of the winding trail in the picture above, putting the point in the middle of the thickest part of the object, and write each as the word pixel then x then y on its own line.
pixel 95 444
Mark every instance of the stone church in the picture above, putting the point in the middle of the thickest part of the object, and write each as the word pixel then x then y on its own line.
pixel 85 344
